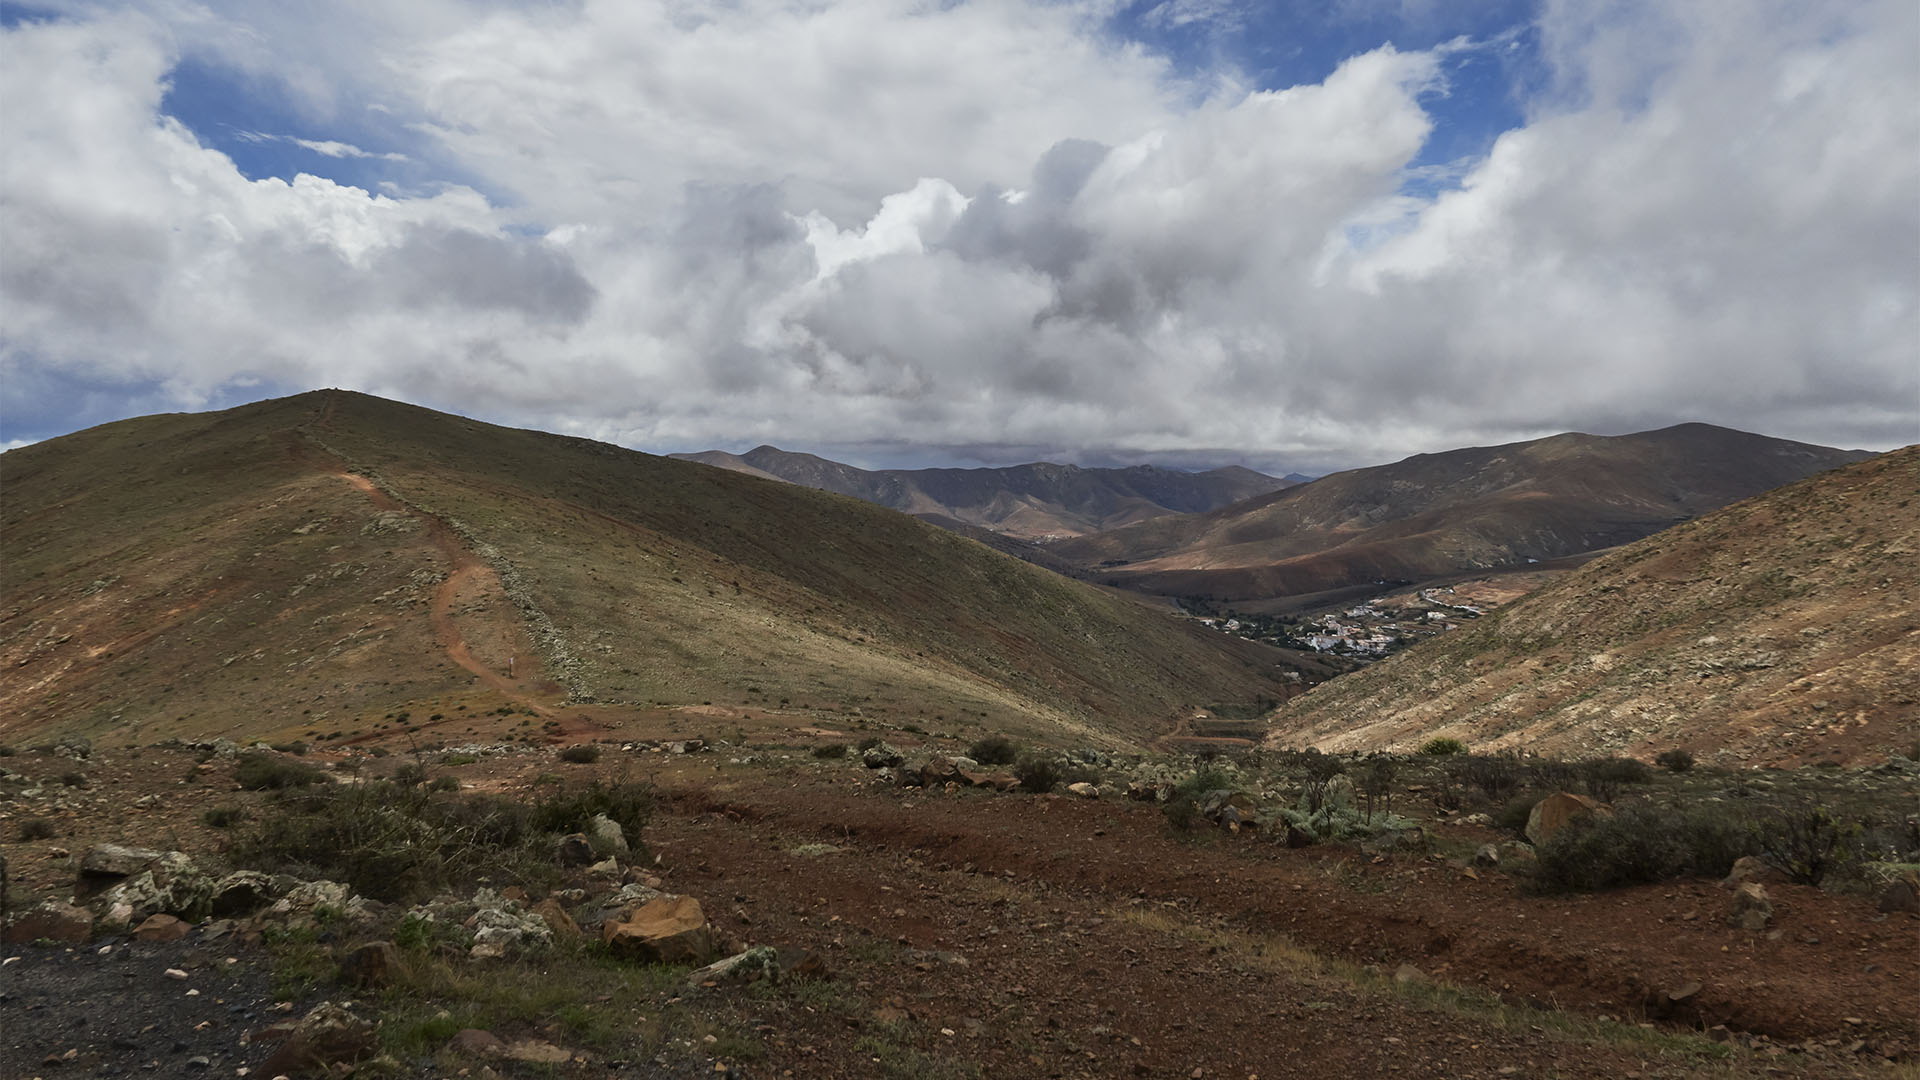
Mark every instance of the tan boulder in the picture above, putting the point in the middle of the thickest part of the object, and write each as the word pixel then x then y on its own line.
pixel 1557 811
pixel 557 918
pixel 670 930
pixel 161 928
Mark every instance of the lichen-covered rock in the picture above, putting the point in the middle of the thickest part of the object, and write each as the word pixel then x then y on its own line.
pixel 242 893
pixel 313 902
pixel 171 885
pixel 882 756
pixel 507 925
pixel 115 861
pixel 605 836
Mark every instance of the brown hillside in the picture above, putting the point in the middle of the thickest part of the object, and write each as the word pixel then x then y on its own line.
pixel 1039 501
pixel 1783 629
pixel 1437 514
pixel 319 563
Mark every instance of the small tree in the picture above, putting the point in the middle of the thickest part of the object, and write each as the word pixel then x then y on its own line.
pixel 1376 783
pixel 1806 843
pixel 1320 770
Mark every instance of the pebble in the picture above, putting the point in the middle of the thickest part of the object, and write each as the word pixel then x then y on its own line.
pixel 174 973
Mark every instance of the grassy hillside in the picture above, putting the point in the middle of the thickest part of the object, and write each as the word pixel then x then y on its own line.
pixel 1435 514
pixel 321 562
pixel 1782 629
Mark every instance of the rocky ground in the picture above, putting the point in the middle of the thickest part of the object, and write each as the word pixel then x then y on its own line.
pixel 928 932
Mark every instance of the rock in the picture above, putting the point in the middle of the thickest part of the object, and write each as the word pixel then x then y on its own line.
pixel 372 964
pixel 556 918
pixel 882 756
pixel 328 1035
pixel 573 850
pixel 1146 790
pixel 161 928
pixel 936 771
pixel 1487 857
pixel 1517 854
pixel 171 885
pixel 1084 790
pixel 1557 810
pixel 474 1042
pixel 753 965
pixel 670 930
pixel 115 861
pixel 1751 868
pixel 74 746
pixel 241 892
pixel 605 836
pixel 1903 894
pixel 304 904
pixel 497 921
pixel 606 870
pixel 1751 907
pixel 54 920
pixel 1408 975
pixel 800 963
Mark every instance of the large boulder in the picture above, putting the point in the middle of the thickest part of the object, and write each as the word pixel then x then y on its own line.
pixel 171 885
pixel 115 861
pixel 1557 811
pixel 54 920
pixel 670 930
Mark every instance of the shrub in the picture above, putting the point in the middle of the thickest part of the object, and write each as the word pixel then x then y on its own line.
pixel 223 817
pixel 830 750
pixel 269 772
pixel 1037 774
pixel 410 775
pixel 867 743
pixel 1641 844
pixel 1513 816
pixel 994 750
pixel 581 754
pixel 628 803
pixel 5 750
pixel 1320 770
pixel 1497 776
pixel 1443 747
pixel 459 759
pixel 35 828
pixel 1376 783
pixel 1605 777
pixel 1180 809
pixel 444 783
pixel 1675 760
pixel 1806 843
pixel 1550 775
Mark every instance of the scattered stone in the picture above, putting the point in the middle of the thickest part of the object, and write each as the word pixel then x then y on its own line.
pixel 1487 858
pixel 161 928
pixel 574 849
pixel 607 869
pixel 475 1042
pixel 753 965
pixel 882 756
pixel 54 920
pixel 199 1063
pixel 371 964
pixel 669 930
pixel 1751 868
pixel 328 1035
pixel 174 973
pixel 171 885
pixel 1558 810
pixel 1751 907
pixel 1084 790
pixel 605 836
pixel 298 907
pixel 242 892
pixel 556 918
pixel 1903 894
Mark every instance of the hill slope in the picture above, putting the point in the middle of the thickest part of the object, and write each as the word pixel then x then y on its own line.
pixel 1436 514
pixel 325 562
pixel 1782 629
pixel 1034 501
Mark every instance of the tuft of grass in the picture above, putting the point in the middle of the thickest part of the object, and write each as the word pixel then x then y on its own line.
pixel 1037 774
pixel 1675 761
pixel 1443 747
pixel 580 754
pixel 36 828
pixel 223 817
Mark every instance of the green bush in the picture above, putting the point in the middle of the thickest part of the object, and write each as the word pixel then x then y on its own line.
pixel 223 817
pixel 444 783
pixel 1641 844
pixel 1514 814
pixel 459 759
pixel 1180 810
pixel 1497 776
pixel 581 754
pixel 1806 843
pixel 1675 760
pixel 269 772
pixel 1037 774
pixel 1443 747
pixel 628 803
pixel 994 750
pixel 411 774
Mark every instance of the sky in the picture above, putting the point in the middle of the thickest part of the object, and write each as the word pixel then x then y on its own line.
pixel 1292 235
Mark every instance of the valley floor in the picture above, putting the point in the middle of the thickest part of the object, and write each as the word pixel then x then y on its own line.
pixel 972 933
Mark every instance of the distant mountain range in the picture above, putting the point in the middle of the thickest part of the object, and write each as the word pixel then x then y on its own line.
pixel 1040 501
pixel 1438 514
pixel 1784 629
pixel 334 563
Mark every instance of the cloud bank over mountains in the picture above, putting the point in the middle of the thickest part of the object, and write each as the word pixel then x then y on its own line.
pixel 992 230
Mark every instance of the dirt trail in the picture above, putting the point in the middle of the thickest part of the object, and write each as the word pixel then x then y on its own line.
pixel 464 568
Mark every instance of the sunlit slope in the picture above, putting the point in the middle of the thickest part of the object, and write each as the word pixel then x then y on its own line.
pixel 1784 628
